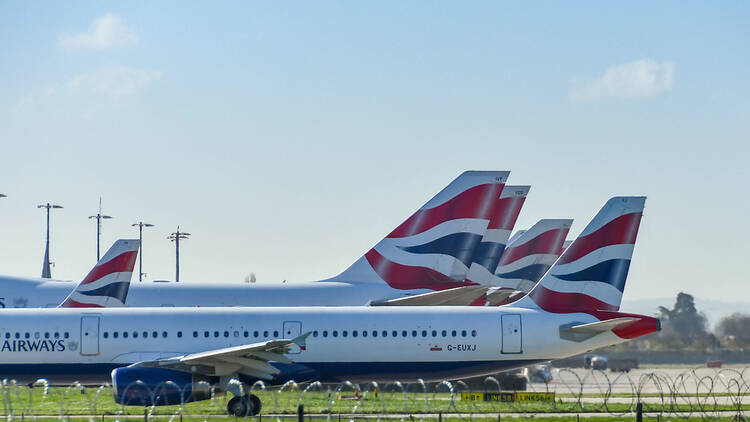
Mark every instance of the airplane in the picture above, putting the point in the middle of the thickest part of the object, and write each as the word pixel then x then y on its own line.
pixel 529 256
pixel 497 234
pixel 427 253
pixel 157 356
pixel 107 284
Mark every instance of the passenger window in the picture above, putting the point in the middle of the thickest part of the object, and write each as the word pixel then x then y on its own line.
pixel 315 333
pixel 124 334
pixel 385 333
pixel 424 333
pixel 374 333
pixel 205 334
pixel 276 334
pixel 145 334
pixel 26 335
pixel 473 333
pixel 46 335
pixel 179 334
pixel 135 334
pixel 7 335
pixel 444 333
pixel 226 333
pixel 247 334
pixel 66 335
pixel 256 334
pixel 57 335
pixel 164 334
pixel 364 333
pixel 236 333
pixel 343 333
pixel 453 333
pixel 115 334
pixel 434 333
pixel 354 333
pixel 413 333
pixel 106 334
pixel 154 334
pixel 325 333
pixel 463 333
pixel 394 333
pixel 403 333
pixel 335 333
pixel 265 334
pixel 216 334
pixel 195 334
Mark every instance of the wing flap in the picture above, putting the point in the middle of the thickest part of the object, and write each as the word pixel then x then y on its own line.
pixel 457 296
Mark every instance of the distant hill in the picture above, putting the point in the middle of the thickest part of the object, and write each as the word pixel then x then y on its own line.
pixel 713 309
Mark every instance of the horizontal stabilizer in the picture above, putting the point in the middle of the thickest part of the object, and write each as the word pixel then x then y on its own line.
pixel 457 296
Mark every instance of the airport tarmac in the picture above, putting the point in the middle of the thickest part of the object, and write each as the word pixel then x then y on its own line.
pixel 728 381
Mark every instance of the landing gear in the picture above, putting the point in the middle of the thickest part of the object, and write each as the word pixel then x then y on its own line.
pixel 244 406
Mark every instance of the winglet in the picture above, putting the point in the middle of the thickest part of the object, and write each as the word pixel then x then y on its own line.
pixel 301 341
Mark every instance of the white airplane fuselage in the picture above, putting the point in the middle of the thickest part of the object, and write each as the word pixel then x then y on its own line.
pixel 18 292
pixel 346 343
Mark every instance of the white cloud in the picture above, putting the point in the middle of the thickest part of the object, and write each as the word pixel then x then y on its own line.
pixel 639 79
pixel 104 32
pixel 114 81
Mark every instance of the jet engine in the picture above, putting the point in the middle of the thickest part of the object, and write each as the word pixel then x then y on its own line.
pixel 138 386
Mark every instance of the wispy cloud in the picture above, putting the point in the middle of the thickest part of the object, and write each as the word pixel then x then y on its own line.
pixel 104 32
pixel 639 79
pixel 114 81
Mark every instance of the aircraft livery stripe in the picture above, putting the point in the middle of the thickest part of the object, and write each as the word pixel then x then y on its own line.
pixel 405 277
pixel 621 230
pixel 548 242
pixel 475 202
pixel 613 271
pixel 457 245
pixel 121 263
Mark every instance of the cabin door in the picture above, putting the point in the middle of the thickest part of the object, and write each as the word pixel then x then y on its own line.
pixel 89 335
pixel 292 329
pixel 511 333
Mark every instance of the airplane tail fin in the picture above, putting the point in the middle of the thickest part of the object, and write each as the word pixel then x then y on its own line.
pixel 106 285
pixel 433 248
pixel 524 262
pixel 496 238
pixel 590 275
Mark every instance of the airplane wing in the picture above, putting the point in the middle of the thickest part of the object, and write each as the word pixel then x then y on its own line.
pixel 457 296
pixel 250 359
pixel 602 326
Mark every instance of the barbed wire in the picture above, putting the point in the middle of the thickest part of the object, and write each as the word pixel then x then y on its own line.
pixel 696 392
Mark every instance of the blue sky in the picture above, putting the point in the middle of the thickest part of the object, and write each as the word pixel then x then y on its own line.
pixel 290 138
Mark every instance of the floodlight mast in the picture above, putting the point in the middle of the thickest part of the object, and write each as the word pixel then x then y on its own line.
pixel 175 237
pixel 99 216
pixel 141 225
pixel 46 272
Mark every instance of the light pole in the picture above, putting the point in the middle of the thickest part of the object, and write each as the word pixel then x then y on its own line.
pixel 175 237
pixel 99 216
pixel 141 225
pixel 46 273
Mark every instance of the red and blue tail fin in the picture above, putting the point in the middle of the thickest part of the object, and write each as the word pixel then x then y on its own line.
pixel 590 275
pixel 495 239
pixel 108 282
pixel 434 247
pixel 531 254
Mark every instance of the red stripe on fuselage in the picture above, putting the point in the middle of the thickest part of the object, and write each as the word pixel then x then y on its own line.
pixel 476 202
pixel 119 264
pixel 405 277
pixel 622 230
pixel 548 242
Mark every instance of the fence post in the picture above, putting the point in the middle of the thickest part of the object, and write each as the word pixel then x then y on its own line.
pixel 301 413
pixel 440 416
pixel 639 412
pixel 145 414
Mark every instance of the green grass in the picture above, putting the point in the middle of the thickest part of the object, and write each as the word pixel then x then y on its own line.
pixel 70 401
